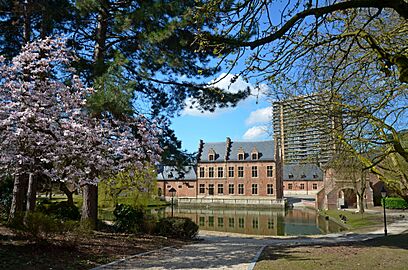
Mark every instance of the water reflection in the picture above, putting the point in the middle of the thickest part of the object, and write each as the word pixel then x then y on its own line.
pixel 258 222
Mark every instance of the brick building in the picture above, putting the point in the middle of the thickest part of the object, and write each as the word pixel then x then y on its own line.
pixel 183 180
pixel 244 169
pixel 304 179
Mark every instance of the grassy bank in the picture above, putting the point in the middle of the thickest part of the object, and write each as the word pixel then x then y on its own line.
pixel 106 206
pixel 355 221
pixel 382 253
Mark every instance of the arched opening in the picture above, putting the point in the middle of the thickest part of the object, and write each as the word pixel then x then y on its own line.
pixel 347 198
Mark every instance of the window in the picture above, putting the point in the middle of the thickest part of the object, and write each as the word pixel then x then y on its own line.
pixel 314 176
pixel 180 186
pixel 240 171
pixel 240 188
pixel 290 186
pixel 269 171
pixel 230 171
pixel 241 222
pixel 255 223
pixel 254 156
pixel 220 189
pixel 302 186
pixel 202 221
pixel 231 222
pixel 270 223
pixel 290 176
pixel 202 188
pixel 211 157
pixel 314 186
pixel 303 176
pixel 269 189
pixel 220 172
pixel 254 171
pixel 241 156
pixel 211 189
pixel 211 221
pixel 254 189
pixel 202 172
pixel 220 222
pixel 211 172
pixel 231 188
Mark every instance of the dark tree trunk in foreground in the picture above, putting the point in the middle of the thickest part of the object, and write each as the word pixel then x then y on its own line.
pixel 90 204
pixel 17 203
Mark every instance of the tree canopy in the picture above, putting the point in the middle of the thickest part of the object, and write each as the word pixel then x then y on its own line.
pixel 355 52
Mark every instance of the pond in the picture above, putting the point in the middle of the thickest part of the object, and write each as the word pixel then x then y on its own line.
pixel 258 221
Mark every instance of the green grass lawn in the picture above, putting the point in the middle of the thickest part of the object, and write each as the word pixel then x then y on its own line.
pixel 106 206
pixel 356 221
pixel 382 253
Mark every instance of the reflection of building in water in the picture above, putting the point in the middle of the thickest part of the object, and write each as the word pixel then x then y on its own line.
pixel 237 221
pixel 258 222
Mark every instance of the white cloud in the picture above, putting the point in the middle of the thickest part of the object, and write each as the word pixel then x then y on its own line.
pixel 259 116
pixel 255 132
pixel 224 82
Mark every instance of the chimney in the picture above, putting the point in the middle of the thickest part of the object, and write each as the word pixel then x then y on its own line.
pixel 227 148
pixel 200 149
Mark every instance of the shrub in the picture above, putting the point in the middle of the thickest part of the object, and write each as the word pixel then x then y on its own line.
pixel 6 195
pixel 128 218
pixel 395 203
pixel 59 210
pixel 177 227
pixel 38 225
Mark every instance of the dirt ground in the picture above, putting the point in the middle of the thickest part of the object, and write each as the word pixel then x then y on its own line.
pixel 73 251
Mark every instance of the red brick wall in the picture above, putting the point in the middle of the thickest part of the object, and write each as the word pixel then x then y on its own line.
pixel 183 188
pixel 296 187
pixel 262 180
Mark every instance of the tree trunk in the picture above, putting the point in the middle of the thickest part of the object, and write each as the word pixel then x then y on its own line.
pixel 101 35
pixel 31 193
pixel 17 203
pixel 27 21
pixel 360 203
pixel 68 193
pixel 90 204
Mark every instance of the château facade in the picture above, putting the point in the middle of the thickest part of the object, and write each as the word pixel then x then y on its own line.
pixel 244 169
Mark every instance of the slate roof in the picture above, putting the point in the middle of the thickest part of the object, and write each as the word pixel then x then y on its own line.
pixel 265 149
pixel 310 172
pixel 186 173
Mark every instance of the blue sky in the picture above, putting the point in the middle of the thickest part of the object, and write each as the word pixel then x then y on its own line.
pixel 249 120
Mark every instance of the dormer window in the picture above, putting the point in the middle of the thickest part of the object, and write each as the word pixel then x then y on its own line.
pixel 314 176
pixel 303 176
pixel 241 154
pixel 254 154
pixel 170 175
pixel 290 176
pixel 211 155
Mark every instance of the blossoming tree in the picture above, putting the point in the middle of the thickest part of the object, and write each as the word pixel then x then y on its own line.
pixel 45 127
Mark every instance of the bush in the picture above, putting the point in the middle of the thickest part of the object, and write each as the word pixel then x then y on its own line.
pixel 395 203
pixel 6 195
pixel 59 210
pixel 36 225
pixel 177 227
pixel 128 218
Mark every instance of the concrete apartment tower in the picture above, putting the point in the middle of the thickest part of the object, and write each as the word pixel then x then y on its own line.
pixel 302 126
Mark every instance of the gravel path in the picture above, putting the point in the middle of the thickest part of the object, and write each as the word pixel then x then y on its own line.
pixel 220 251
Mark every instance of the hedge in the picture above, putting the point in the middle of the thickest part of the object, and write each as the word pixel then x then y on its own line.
pixel 395 203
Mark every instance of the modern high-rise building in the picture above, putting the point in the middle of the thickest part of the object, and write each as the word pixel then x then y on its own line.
pixel 303 128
